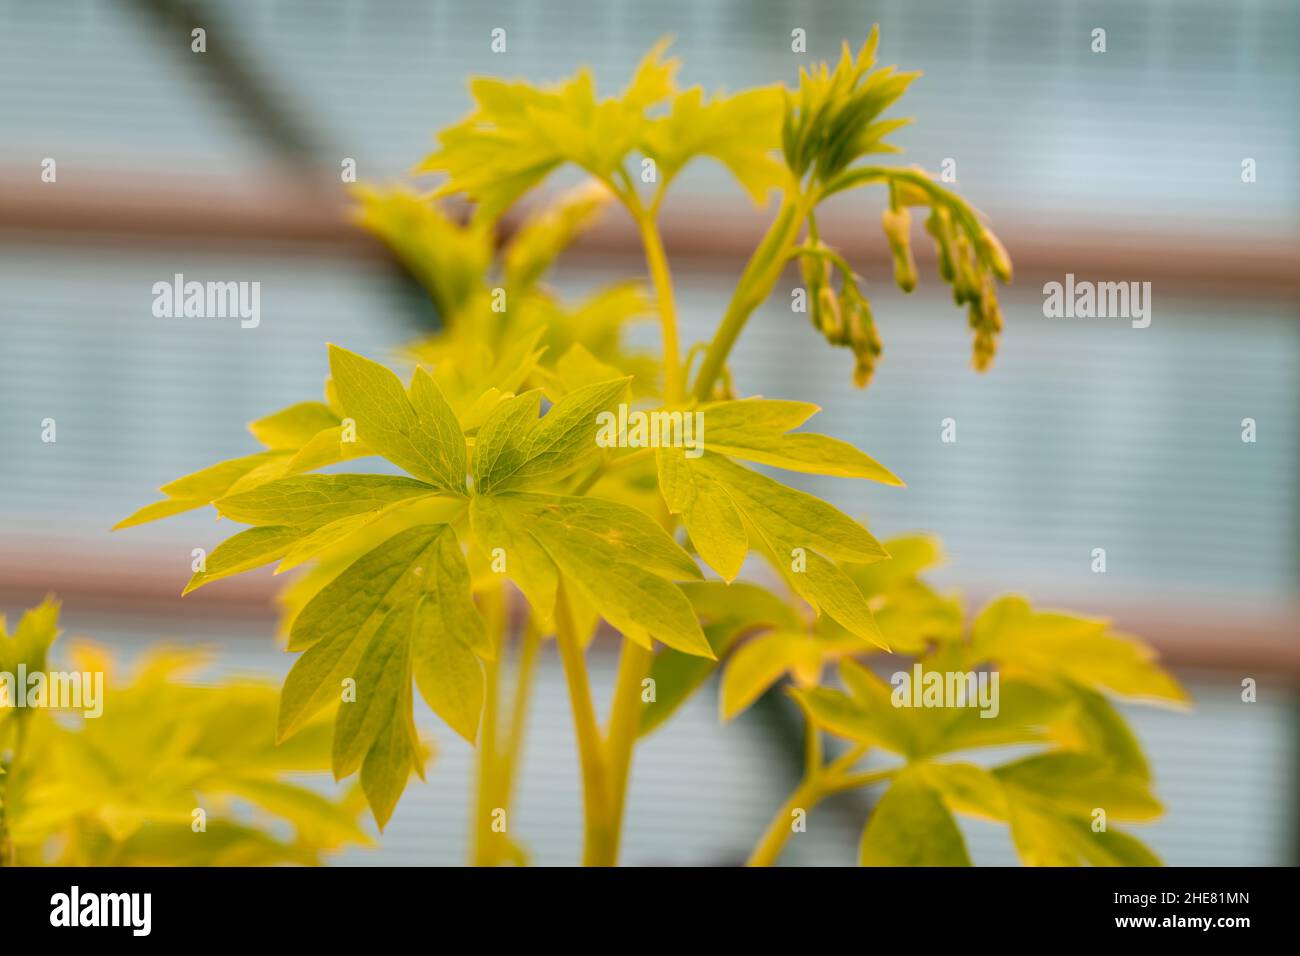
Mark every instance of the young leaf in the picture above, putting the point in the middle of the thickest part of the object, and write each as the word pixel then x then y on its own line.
pixel 291 428
pixel 390 760
pixel 242 552
pixel 516 450
pixel 203 487
pixel 912 827
pixel 309 502
pixel 749 429
pixel 501 528
pixel 740 131
pixel 543 236
pixel 1076 783
pixel 727 612
pixel 449 260
pixel 338 623
pixel 791 517
pixel 418 433
pixel 617 560
pixel 715 526
pixel 1080 649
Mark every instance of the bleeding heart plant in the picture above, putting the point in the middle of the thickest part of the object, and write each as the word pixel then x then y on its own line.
pixel 408 578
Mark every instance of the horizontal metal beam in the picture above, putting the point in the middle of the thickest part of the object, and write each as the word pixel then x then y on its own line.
pixel 299 217
pixel 1236 640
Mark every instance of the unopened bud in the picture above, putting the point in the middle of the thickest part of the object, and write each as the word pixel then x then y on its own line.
pixel 997 255
pixel 898 225
pixel 830 318
pixel 938 226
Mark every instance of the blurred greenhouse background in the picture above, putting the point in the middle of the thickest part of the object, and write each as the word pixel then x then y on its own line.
pixel 1125 165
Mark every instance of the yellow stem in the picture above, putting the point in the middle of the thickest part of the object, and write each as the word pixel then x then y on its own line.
pixel 598 836
pixel 526 667
pixel 820 781
pixel 756 283
pixel 661 278
pixel 806 796
pixel 487 847
pixel 624 722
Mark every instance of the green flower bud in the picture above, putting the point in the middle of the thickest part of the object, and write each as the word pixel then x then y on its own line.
pixel 830 317
pixel 997 255
pixel 938 226
pixel 897 224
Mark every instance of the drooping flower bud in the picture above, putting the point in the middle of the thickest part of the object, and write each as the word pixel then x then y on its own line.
pixel 997 255
pixel 897 224
pixel 939 226
pixel 830 317
pixel 816 277
pixel 965 281
pixel 985 319
pixel 863 338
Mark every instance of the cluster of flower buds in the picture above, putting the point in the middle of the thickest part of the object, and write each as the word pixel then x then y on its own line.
pixel 843 317
pixel 970 263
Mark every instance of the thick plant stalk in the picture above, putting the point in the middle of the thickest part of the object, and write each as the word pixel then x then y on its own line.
pixel 498 758
pixel 599 845
pixel 624 721
pixel 525 669
pixel 756 283
pixel 485 849
pixel 657 263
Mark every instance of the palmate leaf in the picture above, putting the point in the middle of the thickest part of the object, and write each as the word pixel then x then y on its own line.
pixel 516 449
pixel 300 438
pixel 518 134
pixel 203 487
pixel 728 612
pixel 449 260
pixel 121 789
pixel 1052 799
pixel 742 132
pixel 763 660
pixel 758 430
pixel 297 517
pixel 614 556
pixel 417 431
pixel 291 428
pixel 798 533
pixel 1051 820
pixel 308 502
pixel 1082 650
pixel 401 612
pixel 911 826
pixel 541 238
pixel 727 508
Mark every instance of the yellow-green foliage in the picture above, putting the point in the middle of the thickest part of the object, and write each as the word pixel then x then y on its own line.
pixel 123 788
pixel 496 427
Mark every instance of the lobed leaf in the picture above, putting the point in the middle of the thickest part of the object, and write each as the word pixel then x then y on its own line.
pixel 418 433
